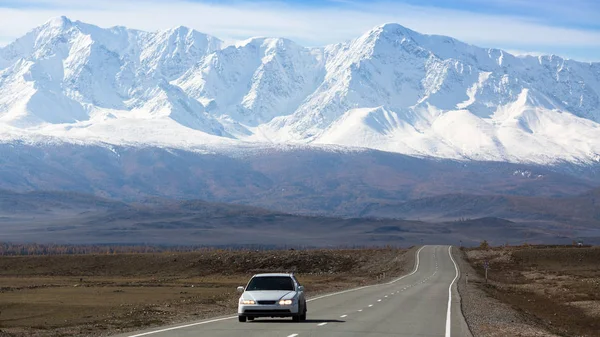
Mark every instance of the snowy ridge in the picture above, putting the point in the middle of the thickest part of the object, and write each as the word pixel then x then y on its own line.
pixel 390 89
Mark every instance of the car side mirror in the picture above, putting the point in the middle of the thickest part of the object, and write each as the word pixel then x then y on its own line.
pixel 240 289
pixel 301 288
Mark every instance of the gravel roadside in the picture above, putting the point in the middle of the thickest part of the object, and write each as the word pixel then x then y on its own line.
pixel 486 316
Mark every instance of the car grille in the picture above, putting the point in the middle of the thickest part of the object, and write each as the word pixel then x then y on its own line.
pixel 267 302
pixel 273 311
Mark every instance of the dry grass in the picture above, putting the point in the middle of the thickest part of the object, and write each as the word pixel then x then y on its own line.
pixel 93 295
pixel 558 286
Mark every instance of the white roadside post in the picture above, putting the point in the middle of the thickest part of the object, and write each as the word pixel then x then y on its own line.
pixel 486 265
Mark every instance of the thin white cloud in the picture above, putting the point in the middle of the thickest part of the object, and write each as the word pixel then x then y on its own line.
pixel 306 25
pixel 5 40
pixel 517 52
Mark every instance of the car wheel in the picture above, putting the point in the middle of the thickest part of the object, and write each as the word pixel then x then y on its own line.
pixel 303 316
pixel 296 318
pixel 242 318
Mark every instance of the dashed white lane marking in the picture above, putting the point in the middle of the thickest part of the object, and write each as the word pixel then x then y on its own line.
pixel 321 324
pixel 364 287
pixel 309 300
pixel 359 310
pixel 343 316
pixel 379 300
pixel 293 335
pixel 385 296
pixel 370 305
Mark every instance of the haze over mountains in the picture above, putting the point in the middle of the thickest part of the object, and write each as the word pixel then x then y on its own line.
pixel 59 217
pixel 390 89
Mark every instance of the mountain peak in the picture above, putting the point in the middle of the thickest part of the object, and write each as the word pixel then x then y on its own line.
pixel 59 22
pixel 380 37
pixel 392 28
pixel 181 30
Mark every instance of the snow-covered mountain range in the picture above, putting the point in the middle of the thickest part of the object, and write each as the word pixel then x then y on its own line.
pixel 391 89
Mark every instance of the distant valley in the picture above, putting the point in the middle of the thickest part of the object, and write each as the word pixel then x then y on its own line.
pixel 68 218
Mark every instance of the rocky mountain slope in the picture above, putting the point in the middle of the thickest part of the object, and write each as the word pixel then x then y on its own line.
pixel 297 180
pixel 390 89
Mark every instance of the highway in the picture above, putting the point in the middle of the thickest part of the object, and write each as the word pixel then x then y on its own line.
pixel 423 303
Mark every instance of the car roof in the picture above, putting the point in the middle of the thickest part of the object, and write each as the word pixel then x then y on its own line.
pixel 274 274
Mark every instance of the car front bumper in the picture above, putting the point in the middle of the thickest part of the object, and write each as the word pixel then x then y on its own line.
pixel 261 310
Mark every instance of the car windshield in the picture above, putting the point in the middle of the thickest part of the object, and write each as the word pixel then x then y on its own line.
pixel 271 283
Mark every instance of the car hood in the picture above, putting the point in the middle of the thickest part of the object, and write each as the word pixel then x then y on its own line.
pixel 269 295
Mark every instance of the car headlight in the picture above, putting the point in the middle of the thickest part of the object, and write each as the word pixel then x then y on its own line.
pixel 286 302
pixel 247 302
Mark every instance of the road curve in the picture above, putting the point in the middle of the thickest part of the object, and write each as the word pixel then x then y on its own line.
pixel 422 303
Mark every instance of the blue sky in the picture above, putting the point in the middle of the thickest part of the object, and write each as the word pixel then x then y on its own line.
pixel 567 28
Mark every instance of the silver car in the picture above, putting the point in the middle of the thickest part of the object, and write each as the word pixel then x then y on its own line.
pixel 272 295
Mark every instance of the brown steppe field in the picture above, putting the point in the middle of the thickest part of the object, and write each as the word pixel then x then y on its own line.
pixel 557 286
pixel 103 294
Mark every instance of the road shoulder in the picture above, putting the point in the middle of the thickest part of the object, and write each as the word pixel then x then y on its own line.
pixel 457 302
pixel 486 316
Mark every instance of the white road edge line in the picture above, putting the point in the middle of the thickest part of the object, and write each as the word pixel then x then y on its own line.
pixel 183 326
pixel 374 285
pixel 414 271
pixel 309 300
pixel 448 313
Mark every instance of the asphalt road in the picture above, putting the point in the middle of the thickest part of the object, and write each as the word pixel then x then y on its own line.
pixel 423 303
